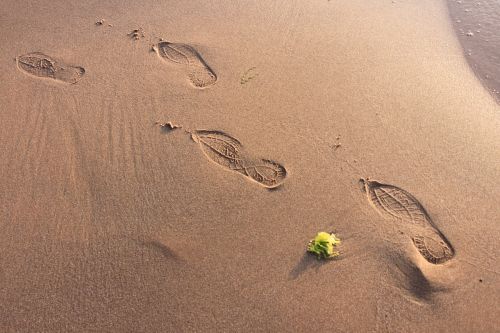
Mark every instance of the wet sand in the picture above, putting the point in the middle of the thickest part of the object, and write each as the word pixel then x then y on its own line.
pixel 478 28
pixel 111 222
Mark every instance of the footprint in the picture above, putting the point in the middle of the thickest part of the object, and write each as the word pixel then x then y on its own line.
pixel 393 202
pixel 227 151
pixel 41 65
pixel 199 73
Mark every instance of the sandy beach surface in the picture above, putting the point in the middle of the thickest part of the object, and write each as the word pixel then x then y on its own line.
pixel 280 119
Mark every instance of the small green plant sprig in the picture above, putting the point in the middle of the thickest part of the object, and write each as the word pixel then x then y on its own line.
pixel 323 245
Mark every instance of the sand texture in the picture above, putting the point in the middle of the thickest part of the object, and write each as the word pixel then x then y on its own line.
pixel 164 164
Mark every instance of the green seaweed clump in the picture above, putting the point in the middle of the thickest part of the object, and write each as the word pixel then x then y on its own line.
pixel 323 245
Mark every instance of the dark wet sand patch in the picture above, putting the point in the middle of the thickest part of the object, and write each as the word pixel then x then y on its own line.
pixel 477 24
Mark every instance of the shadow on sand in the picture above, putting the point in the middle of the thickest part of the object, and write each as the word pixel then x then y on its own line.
pixel 308 261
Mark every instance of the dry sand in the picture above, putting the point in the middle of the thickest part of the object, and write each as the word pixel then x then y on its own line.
pixel 112 223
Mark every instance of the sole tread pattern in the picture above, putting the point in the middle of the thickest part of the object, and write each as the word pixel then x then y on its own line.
pixel 227 152
pixel 199 73
pixel 41 65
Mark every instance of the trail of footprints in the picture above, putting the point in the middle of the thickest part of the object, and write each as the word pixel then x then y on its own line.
pixel 395 203
pixel 198 72
pixel 390 201
pixel 228 152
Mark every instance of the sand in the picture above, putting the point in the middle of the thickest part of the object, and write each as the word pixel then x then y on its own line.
pixel 112 223
pixel 477 24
